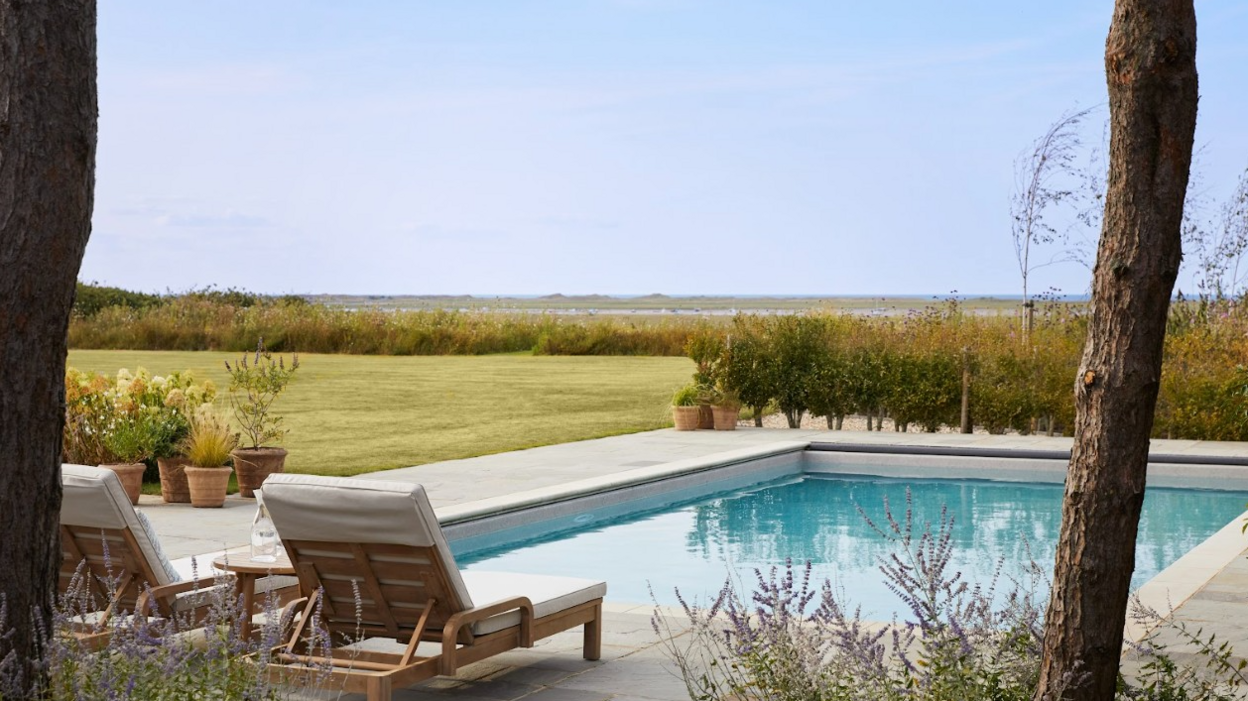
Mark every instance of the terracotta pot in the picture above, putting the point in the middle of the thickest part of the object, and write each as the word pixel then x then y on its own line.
pixel 686 417
pixel 173 487
pixel 207 485
pixel 706 418
pixel 726 417
pixel 131 475
pixel 254 464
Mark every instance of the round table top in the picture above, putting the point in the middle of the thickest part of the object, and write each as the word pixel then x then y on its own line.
pixel 240 562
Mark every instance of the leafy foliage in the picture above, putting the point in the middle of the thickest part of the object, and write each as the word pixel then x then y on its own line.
pixel 128 417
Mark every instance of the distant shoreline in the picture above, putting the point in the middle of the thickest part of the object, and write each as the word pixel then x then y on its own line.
pixel 678 304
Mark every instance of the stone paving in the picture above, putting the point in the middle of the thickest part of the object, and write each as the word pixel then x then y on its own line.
pixel 634 666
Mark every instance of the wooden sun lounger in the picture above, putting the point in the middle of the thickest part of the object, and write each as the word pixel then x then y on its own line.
pixel 371 556
pixel 111 565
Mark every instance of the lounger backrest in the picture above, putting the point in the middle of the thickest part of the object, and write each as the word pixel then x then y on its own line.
pixel 97 516
pixel 375 548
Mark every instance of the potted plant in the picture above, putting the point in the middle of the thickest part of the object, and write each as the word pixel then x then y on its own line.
pixel 726 410
pixel 179 396
pixel 708 396
pixel 207 447
pixel 128 442
pixel 129 428
pixel 685 409
pixel 254 386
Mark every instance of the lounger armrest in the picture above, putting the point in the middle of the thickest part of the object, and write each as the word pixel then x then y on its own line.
pixel 450 632
pixel 168 591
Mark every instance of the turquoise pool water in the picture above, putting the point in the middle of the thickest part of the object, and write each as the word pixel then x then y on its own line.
pixel 693 545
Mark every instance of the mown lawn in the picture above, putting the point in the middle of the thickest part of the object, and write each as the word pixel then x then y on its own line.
pixel 353 414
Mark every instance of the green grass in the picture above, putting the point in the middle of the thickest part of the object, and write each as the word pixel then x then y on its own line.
pixel 349 414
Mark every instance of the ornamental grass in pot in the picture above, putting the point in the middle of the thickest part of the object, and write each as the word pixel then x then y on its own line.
pixel 208 447
pixel 685 410
pixel 254 386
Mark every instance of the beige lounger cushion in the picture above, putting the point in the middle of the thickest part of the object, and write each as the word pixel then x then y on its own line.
pixel 548 594
pixel 94 498
pixel 341 510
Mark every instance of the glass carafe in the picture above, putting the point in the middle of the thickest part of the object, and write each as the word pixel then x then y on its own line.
pixel 264 543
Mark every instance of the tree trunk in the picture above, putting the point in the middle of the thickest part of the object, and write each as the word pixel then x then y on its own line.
pixel 758 417
pixel 1150 61
pixel 47 179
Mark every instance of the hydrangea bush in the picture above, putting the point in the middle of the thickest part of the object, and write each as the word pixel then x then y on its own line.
pixel 130 416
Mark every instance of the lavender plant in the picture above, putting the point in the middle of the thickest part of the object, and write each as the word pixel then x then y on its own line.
pixel 791 640
pixel 183 656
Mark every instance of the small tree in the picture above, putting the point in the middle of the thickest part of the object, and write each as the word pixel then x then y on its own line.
pixel 1222 270
pixel 254 386
pixel 1046 177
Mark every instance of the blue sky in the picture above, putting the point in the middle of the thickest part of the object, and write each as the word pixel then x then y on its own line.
pixel 598 146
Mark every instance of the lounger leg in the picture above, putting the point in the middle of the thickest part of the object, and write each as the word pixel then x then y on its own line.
pixel 378 689
pixel 593 635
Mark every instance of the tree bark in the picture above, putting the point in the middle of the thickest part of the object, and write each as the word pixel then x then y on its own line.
pixel 48 119
pixel 1150 61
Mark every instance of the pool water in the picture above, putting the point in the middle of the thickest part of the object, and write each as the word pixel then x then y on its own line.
pixel 693 546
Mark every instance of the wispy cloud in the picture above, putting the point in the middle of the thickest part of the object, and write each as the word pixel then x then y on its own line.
pixel 187 212
pixel 221 79
pixel 231 220
pixel 456 234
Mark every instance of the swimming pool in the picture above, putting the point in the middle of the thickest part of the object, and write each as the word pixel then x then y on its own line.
pixel 692 544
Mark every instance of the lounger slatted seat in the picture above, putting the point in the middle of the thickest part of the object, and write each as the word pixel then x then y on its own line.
pixel 372 555
pixel 112 552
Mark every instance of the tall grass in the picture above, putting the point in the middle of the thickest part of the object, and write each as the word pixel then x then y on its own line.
pixel 200 324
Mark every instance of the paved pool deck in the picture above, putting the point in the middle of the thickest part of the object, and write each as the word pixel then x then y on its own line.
pixel 1213 594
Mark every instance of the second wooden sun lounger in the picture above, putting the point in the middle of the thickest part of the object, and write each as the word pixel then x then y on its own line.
pixel 372 556
pixel 112 565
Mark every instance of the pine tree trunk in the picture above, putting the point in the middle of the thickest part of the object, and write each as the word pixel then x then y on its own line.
pixel 47 179
pixel 1150 61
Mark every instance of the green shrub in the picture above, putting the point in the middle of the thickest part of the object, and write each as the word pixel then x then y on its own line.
pixel 796 344
pixel 90 298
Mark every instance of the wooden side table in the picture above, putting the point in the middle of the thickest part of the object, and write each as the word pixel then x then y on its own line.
pixel 247 571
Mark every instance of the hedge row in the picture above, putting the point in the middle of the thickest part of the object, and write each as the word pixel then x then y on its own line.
pixel 918 370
